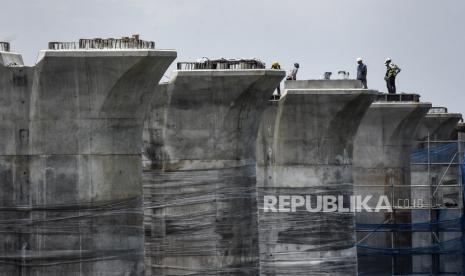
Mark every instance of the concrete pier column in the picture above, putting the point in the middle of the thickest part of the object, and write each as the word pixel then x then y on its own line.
pixel 15 92
pixel 199 179
pixel 86 119
pixel 382 168
pixel 305 150
pixel 436 132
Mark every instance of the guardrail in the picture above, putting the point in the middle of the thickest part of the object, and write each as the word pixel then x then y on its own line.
pixel 99 43
pixel 398 98
pixel 222 64
pixel 4 46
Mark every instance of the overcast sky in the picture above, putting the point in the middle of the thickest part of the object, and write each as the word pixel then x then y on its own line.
pixel 426 38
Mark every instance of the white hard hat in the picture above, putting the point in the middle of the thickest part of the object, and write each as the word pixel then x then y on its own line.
pixel 387 60
pixel 359 59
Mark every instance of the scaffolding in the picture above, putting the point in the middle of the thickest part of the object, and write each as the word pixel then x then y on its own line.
pixel 431 218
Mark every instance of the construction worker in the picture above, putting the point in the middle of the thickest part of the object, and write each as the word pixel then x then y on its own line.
pixel 391 72
pixel 275 65
pixel 362 72
pixel 293 73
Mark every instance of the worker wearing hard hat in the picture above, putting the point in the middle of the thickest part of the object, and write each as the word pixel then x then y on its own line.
pixel 362 71
pixel 275 65
pixel 391 73
pixel 293 73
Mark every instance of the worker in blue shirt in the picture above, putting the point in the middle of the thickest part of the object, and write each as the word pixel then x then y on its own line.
pixel 362 71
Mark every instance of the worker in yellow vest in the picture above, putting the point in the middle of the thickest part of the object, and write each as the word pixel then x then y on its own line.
pixel 392 71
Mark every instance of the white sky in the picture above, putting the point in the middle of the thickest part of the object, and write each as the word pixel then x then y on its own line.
pixel 426 38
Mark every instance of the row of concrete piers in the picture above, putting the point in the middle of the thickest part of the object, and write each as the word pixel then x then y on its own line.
pixel 106 171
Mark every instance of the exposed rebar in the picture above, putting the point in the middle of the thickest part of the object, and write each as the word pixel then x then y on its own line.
pixel 222 64
pixel 99 43
pixel 4 46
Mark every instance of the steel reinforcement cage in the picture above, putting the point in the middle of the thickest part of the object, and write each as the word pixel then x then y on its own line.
pixel 222 64
pixel 4 46
pixel 99 43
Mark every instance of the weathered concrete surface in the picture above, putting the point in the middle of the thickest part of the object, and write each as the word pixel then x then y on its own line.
pixel 382 159
pixel 199 183
pixel 305 148
pixel 15 92
pixel 8 59
pixel 439 127
pixel 83 162
pixel 323 84
pixel 461 128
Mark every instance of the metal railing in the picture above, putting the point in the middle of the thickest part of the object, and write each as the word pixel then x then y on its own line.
pixel 98 43
pixel 222 64
pixel 4 46
pixel 398 98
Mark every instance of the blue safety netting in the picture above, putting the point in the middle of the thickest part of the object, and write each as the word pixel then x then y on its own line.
pixel 462 172
pixel 462 169
pixel 448 221
pixel 453 246
pixel 438 153
pixel 447 225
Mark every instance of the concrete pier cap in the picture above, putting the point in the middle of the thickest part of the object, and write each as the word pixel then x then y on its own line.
pixel 8 58
pixel 382 161
pixel 207 117
pixel 304 149
pixel 438 124
pixel 199 169
pixel 82 140
pixel 388 124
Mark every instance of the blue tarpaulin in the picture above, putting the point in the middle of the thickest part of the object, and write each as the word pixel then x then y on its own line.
pixel 463 170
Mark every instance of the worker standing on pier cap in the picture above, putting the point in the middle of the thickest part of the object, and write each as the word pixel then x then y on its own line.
pixel 362 72
pixel 293 73
pixel 391 72
pixel 275 65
